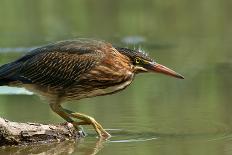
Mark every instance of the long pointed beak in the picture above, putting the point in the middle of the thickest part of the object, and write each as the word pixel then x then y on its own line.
pixel 164 70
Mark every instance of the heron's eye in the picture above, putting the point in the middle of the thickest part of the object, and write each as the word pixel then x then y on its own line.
pixel 137 61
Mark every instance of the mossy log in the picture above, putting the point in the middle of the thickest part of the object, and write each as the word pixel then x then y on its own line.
pixel 15 133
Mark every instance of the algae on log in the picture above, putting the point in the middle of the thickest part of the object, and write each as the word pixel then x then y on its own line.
pixel 14 133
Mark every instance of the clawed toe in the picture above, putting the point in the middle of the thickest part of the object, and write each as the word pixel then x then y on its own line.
pixel 87 120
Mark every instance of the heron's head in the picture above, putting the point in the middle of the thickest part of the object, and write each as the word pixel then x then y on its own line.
pixel 143 63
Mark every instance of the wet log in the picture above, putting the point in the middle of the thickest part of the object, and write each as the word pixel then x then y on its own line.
pixel 15 133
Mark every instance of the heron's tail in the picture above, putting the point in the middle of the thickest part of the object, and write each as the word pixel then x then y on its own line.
pixel 10 73
pixel 6 73
pixel 4 82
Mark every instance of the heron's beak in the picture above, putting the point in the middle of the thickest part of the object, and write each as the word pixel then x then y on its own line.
pixel 155 67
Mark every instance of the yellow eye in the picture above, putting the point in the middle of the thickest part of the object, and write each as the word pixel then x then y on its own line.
pixel 137 60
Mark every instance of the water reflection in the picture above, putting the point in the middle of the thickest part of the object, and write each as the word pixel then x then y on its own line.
pixel 92 148
pixel 55 148
pixel 92 145
pixel 66 147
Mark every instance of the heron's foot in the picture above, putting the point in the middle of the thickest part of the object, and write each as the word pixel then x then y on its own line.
pixel 80 131
pixel 87 120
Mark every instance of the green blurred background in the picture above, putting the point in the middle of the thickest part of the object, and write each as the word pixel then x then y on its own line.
pixel 156 114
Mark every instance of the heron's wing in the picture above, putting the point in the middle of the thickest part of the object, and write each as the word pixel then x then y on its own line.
pixel 58 65
pixel 78 47
pixel 57 69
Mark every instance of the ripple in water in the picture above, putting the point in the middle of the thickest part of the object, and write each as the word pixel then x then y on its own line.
pixel 124 136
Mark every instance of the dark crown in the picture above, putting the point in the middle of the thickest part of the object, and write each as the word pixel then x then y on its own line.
pixel 132 54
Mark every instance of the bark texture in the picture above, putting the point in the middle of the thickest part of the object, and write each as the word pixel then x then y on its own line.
pixel 14 133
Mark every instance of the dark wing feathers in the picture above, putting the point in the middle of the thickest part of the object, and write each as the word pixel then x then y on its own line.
pixel 57 65
pixel 57 69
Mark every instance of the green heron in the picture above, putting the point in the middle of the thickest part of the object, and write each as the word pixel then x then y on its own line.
pixel 76 69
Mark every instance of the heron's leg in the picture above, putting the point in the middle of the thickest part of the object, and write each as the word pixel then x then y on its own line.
pixel 89 120
pixel 86 120
pixel 56 107
pixel 98 128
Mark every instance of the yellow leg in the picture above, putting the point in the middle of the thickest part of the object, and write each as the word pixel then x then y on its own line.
pixel 86 120
pixel 90 120
pixel 56 107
